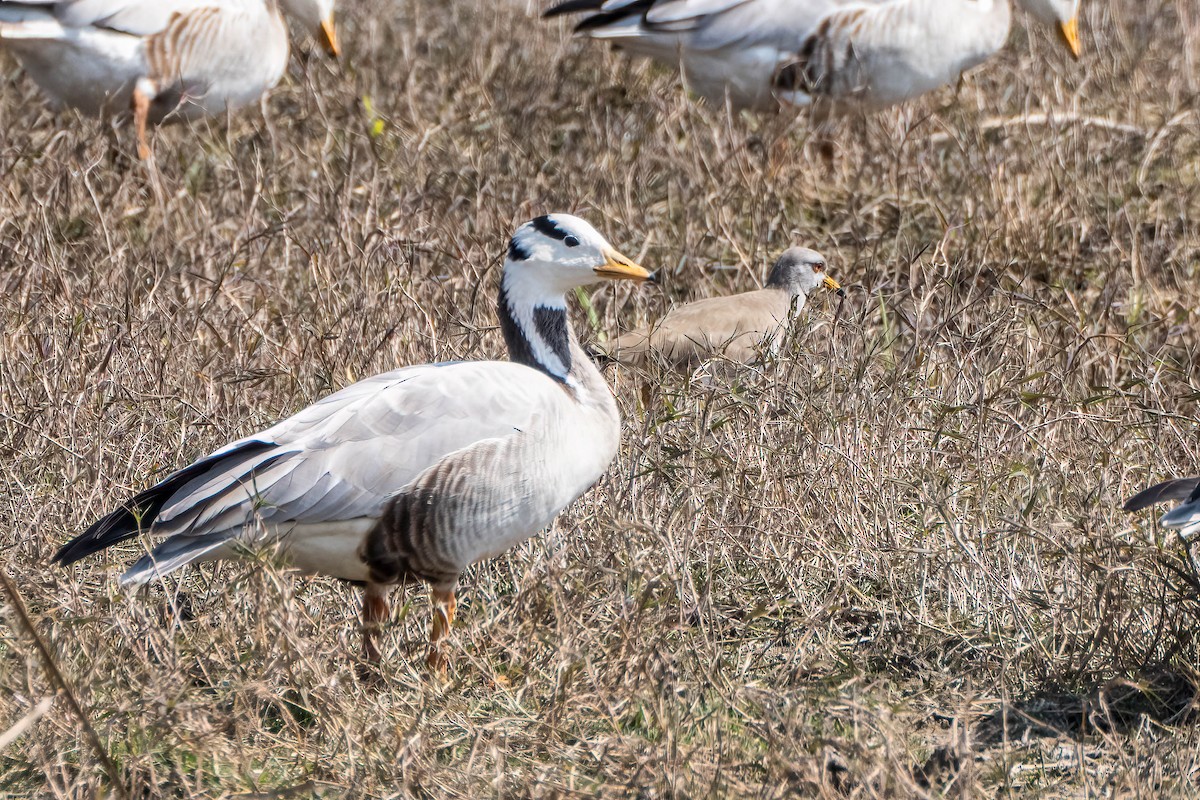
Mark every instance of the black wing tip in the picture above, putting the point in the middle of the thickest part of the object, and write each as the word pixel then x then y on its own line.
pixel 67 555
pixel 103 533
pixel 1134 504
pixel 125 522
pixel 64 557
pixel 1143 499
pixel 597 17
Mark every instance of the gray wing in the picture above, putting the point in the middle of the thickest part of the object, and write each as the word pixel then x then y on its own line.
pixel 1184 517
pixel 719 24
pixel 339 459
pixel 344 456
pixel 136 17
pixel 689 14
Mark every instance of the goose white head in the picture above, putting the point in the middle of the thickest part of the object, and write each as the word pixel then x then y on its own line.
pixel 548 257
pixel 1064 14
pixel 551 255
pixel 800 271
pixel 316 16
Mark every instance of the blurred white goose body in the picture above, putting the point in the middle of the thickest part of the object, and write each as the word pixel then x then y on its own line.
pixel 186 58
pixel 831 54
pixel 414 473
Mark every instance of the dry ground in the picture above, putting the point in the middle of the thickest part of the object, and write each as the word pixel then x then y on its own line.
pixel 892 565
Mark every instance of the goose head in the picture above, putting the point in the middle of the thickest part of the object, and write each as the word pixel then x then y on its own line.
pixel 551 255
pixel 801 271
pixel 1064 14
pixel 548 257
pixel 316 17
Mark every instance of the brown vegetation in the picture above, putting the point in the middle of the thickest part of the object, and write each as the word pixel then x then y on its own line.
pixel 892 565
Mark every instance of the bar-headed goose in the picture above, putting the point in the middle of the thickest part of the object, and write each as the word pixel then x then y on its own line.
pixel 833 55
pixel 739 327
pixel 179 59
pixel 416 473
pixel 1184 517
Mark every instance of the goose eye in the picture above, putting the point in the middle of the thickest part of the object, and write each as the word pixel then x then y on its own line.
pixel 571 241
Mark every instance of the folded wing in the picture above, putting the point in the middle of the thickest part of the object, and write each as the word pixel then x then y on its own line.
pixel 338 460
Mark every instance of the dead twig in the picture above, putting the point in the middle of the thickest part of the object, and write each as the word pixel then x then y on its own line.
pixel 59 680
pixel 25 722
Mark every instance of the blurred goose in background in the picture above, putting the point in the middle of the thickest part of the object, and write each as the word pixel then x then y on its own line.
pixel 739 327
pixel 832 55
pixel 416 473
pixel 184 59
pixel 1184 517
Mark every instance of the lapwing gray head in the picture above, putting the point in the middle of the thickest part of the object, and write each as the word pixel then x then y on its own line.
pixel 800 271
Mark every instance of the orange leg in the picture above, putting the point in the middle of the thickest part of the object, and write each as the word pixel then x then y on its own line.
pixel 141 112
pixel 444 607
pixel 374 613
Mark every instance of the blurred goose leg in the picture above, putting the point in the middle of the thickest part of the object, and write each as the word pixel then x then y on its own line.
pixel 444 607
pixel 141 111
pixel 374 613
pixel 822 137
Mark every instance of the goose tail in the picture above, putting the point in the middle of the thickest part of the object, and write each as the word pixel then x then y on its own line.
pixel 139 512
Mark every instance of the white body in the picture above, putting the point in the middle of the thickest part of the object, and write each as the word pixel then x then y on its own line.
pixel 514 445
pixel 193 58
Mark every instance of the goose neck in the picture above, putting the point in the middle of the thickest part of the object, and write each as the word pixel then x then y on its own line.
pixel 538 333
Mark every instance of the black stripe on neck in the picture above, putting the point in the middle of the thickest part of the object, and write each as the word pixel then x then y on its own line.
pixel 551 328
pixel 551 324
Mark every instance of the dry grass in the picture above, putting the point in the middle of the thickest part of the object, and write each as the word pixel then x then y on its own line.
pixel 893 565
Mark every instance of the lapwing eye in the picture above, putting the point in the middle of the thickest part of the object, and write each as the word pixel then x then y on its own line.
pixel 571 241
